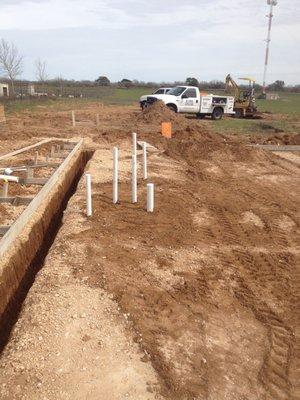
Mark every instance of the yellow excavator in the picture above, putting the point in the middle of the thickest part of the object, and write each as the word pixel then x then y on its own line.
pixel 244 104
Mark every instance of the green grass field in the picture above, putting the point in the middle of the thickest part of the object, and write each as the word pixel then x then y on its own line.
pixel 108 96
pixel 249 126
pixel 287 106
pixel 287 109
pixel 126 96
pixel 289 103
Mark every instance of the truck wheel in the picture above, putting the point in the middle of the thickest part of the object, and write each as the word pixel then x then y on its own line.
pixel 143 105
pixel 217 114
pixel 238 113
pixel 172 107
pixel 201 116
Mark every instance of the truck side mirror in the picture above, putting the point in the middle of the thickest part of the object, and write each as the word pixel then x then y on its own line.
pixel 184 96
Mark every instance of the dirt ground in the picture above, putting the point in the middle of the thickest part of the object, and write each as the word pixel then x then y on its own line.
pixel 8 212
pixel 199 300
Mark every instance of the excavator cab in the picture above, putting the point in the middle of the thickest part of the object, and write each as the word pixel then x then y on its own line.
pixel 244 105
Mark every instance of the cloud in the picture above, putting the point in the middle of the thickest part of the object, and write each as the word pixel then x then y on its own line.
pixel 153 40
pixel 117 14
pixel 104 14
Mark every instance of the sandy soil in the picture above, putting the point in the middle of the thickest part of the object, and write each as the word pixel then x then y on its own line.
pixel 8 212
pixel 199 300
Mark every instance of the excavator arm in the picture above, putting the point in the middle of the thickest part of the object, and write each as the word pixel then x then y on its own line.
pixel 244 99
pixel 232 87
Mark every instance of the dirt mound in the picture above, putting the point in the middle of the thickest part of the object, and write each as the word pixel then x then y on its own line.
pixel 207 282
pixel 286 139
pixel 195 143
pixel 195 151
pixel 268 127
pixel 295 139
pixel 157 113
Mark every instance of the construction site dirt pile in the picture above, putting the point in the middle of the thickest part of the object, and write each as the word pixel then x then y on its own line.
pixel 208 281
pixel 285 139
pixel 196 143
pixel 196 260
pixel 277 139
pixel 194 139
pixel 156 113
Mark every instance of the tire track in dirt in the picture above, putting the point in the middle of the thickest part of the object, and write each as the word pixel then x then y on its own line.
pixel 164 307
pixel 260 270
pixel 285 164
pixel 295 323
pixel 251 277
pixel 275 370
pixel 263 269
pixel 163 317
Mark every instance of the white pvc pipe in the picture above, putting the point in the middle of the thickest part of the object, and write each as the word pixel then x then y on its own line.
pixel 8 171
pixel 134 144
pixel 115 175
pixel 150 197
pixel 145 171
pixel 5 189
pixel 9 178
pixel 73 118
pixel 133 180
pixel 88 180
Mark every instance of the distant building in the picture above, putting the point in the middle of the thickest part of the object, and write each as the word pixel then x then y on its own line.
pixel 31 90
pixel 272 96
pixel 4 90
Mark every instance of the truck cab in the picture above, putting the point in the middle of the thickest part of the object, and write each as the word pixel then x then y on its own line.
pixel 188 99
pixel 143 99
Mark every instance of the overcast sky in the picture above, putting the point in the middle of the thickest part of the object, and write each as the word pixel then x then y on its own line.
pixel 154 40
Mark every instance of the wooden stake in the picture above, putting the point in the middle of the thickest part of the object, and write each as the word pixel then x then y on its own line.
pixel 115 175
pixel 73 119
pixel 29 173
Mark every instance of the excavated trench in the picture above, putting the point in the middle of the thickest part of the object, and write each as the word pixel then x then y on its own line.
pixel 33 262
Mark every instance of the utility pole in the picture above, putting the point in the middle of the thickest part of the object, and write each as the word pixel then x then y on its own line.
pixel 271 3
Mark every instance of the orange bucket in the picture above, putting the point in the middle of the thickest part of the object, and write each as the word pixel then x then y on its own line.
pixel 166 129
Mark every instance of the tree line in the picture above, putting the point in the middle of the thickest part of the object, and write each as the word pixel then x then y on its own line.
pixel 12 63
pixel 278 85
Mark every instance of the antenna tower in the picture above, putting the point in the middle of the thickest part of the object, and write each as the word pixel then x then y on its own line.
pixel 272 4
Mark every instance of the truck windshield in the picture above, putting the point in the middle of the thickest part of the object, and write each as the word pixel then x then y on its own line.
pixel 177 91
pixel 159 91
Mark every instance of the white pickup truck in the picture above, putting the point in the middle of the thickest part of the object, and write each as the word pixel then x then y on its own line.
pixel 188 99
pixel 162 90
